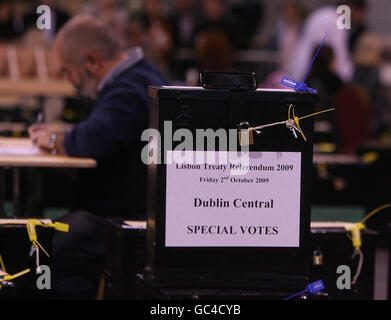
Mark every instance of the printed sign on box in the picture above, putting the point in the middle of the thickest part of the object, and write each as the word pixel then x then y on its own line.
pixel 232 204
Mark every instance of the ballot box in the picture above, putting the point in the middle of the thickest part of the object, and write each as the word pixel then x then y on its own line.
pixel 332 249
pixel 377 178
pixel 125 257
pixel 15 248
pixel 241 220
pixel 388 247
pixel 341 180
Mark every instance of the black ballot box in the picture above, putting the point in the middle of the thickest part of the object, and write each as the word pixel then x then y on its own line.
pixel 15 249
pixel 233 223
pixel 342 179
pixel 377 179
pixel 388 248
pixel 331 249
pixel 125 257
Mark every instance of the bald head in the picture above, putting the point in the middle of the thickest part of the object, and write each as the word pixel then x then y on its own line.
pixel 87 51
pixel 83 35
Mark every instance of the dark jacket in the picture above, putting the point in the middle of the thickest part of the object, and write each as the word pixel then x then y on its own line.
pixel 112 136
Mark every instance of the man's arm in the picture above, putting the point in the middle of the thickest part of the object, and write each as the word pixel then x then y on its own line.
pixel 49 138
pixel 113 126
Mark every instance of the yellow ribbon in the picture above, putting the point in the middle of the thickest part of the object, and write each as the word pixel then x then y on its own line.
pixel 356 228
pixel 297 119
pixel 32 223
pixel 9 277
pixel 2 264
pixel 292 124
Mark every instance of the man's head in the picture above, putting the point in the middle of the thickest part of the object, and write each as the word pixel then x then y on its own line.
pixel 87 51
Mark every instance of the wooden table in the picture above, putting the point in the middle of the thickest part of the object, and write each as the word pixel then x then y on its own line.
pixel 19 152
pixel 34 87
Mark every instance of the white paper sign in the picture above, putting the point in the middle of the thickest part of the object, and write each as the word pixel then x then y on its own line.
pixel 231 204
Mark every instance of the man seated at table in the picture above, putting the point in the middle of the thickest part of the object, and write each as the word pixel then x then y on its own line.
pixel 93 61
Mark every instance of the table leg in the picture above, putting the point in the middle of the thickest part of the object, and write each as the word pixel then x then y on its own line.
pixel 2 193
pixel 16 192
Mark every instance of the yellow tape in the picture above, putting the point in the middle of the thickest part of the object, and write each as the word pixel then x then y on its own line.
pixel 31 230
pixel 357 227
pixel 327 147
pixel 2 264
pixel 356 234
pixel 42 248
pixel 61 226
pixel 9 277
pixel 57 225
pixel 297 119
pixel 32 223
pixel 369 157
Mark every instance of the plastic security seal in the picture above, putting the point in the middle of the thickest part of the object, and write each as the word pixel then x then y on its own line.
pixel 301 85
pixel 297 85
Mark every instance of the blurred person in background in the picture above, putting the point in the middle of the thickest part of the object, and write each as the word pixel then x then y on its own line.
pixel 284 40
pixel 368 56
pixel 385 81
pixel 137 30
pixel 184 20
pixel 111 13
pixel 320 22
pixel 150 29
pixel 367 50
pixel 13 20
pixel 213 51
pixel 324 78
pixel 249 13
pixel 349 124
pixel 358 11
pixel 8 28
pixel 216 16
pixel 286 34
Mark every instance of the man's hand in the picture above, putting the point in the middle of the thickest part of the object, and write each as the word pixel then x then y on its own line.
pixel 48 138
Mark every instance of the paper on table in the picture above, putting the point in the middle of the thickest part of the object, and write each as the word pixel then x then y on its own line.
pixel 19 150
pixel 22 221
pixel 135 224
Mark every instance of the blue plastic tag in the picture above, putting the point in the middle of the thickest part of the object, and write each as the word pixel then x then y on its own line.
pixel 315 287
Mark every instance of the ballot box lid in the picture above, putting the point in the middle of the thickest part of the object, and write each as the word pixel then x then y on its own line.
pixel 200 93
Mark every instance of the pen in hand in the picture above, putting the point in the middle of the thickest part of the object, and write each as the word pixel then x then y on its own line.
pixel 38 121
pixel 39 117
